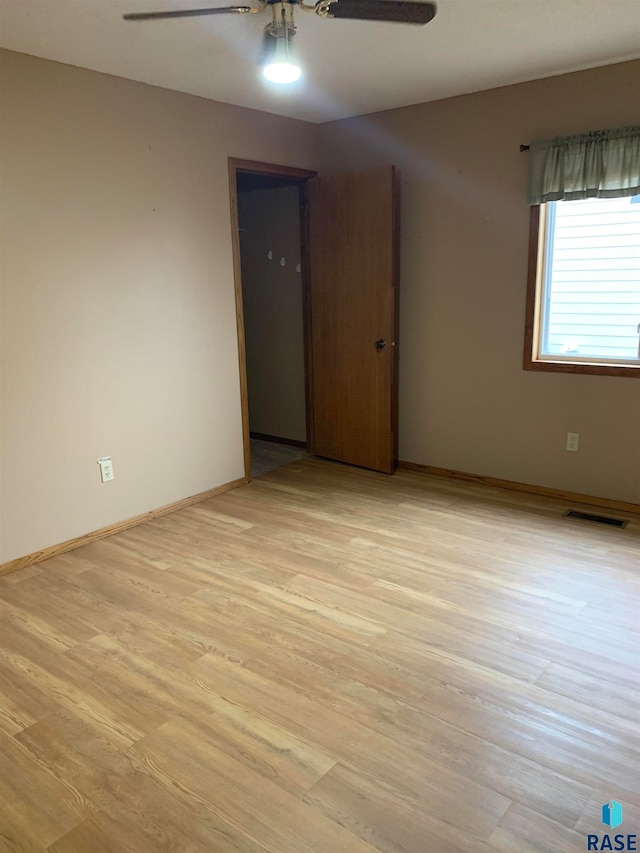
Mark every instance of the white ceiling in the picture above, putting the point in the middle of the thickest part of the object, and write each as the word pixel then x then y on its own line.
pixel 351 67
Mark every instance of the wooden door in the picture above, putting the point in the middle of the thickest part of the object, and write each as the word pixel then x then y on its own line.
pixel 353 271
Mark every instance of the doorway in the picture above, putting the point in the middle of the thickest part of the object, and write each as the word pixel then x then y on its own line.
pixel 271 260
pixel 348 290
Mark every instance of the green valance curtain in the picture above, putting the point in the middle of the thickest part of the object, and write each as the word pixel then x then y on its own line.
pixel 602 164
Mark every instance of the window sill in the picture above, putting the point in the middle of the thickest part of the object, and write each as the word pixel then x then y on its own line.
pixel 594 369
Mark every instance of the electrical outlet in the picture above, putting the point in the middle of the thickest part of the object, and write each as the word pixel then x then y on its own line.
pixel 106 468
pixel 572 441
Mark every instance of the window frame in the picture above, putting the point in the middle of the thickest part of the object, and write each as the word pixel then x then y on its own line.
pixel 535 291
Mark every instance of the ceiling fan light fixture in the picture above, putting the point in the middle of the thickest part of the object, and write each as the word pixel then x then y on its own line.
pixel 281 72
pixel 279 64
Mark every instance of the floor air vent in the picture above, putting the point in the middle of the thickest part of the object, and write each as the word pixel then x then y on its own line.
pixel 596 519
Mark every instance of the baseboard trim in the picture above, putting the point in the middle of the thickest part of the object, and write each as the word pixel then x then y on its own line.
pixel 528 488
pixel 292 442
pixel 118 527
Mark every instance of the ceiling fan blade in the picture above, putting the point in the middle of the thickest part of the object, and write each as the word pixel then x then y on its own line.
pixel 185 13
pixel 392 11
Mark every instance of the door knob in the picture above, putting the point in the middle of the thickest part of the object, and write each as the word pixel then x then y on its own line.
pixel 380 345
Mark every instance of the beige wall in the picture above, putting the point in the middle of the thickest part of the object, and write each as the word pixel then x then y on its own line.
pixel 272 297
pixel 465 402
pixel 119 334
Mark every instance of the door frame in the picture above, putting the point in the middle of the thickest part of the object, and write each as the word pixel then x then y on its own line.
pixel 300 176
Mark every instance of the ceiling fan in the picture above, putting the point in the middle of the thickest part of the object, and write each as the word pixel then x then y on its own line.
pixel 278 61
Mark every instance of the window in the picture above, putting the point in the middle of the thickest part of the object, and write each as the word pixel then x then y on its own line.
pixel 587 278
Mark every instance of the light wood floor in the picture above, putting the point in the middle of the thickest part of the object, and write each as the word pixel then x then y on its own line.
pixel 325 660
